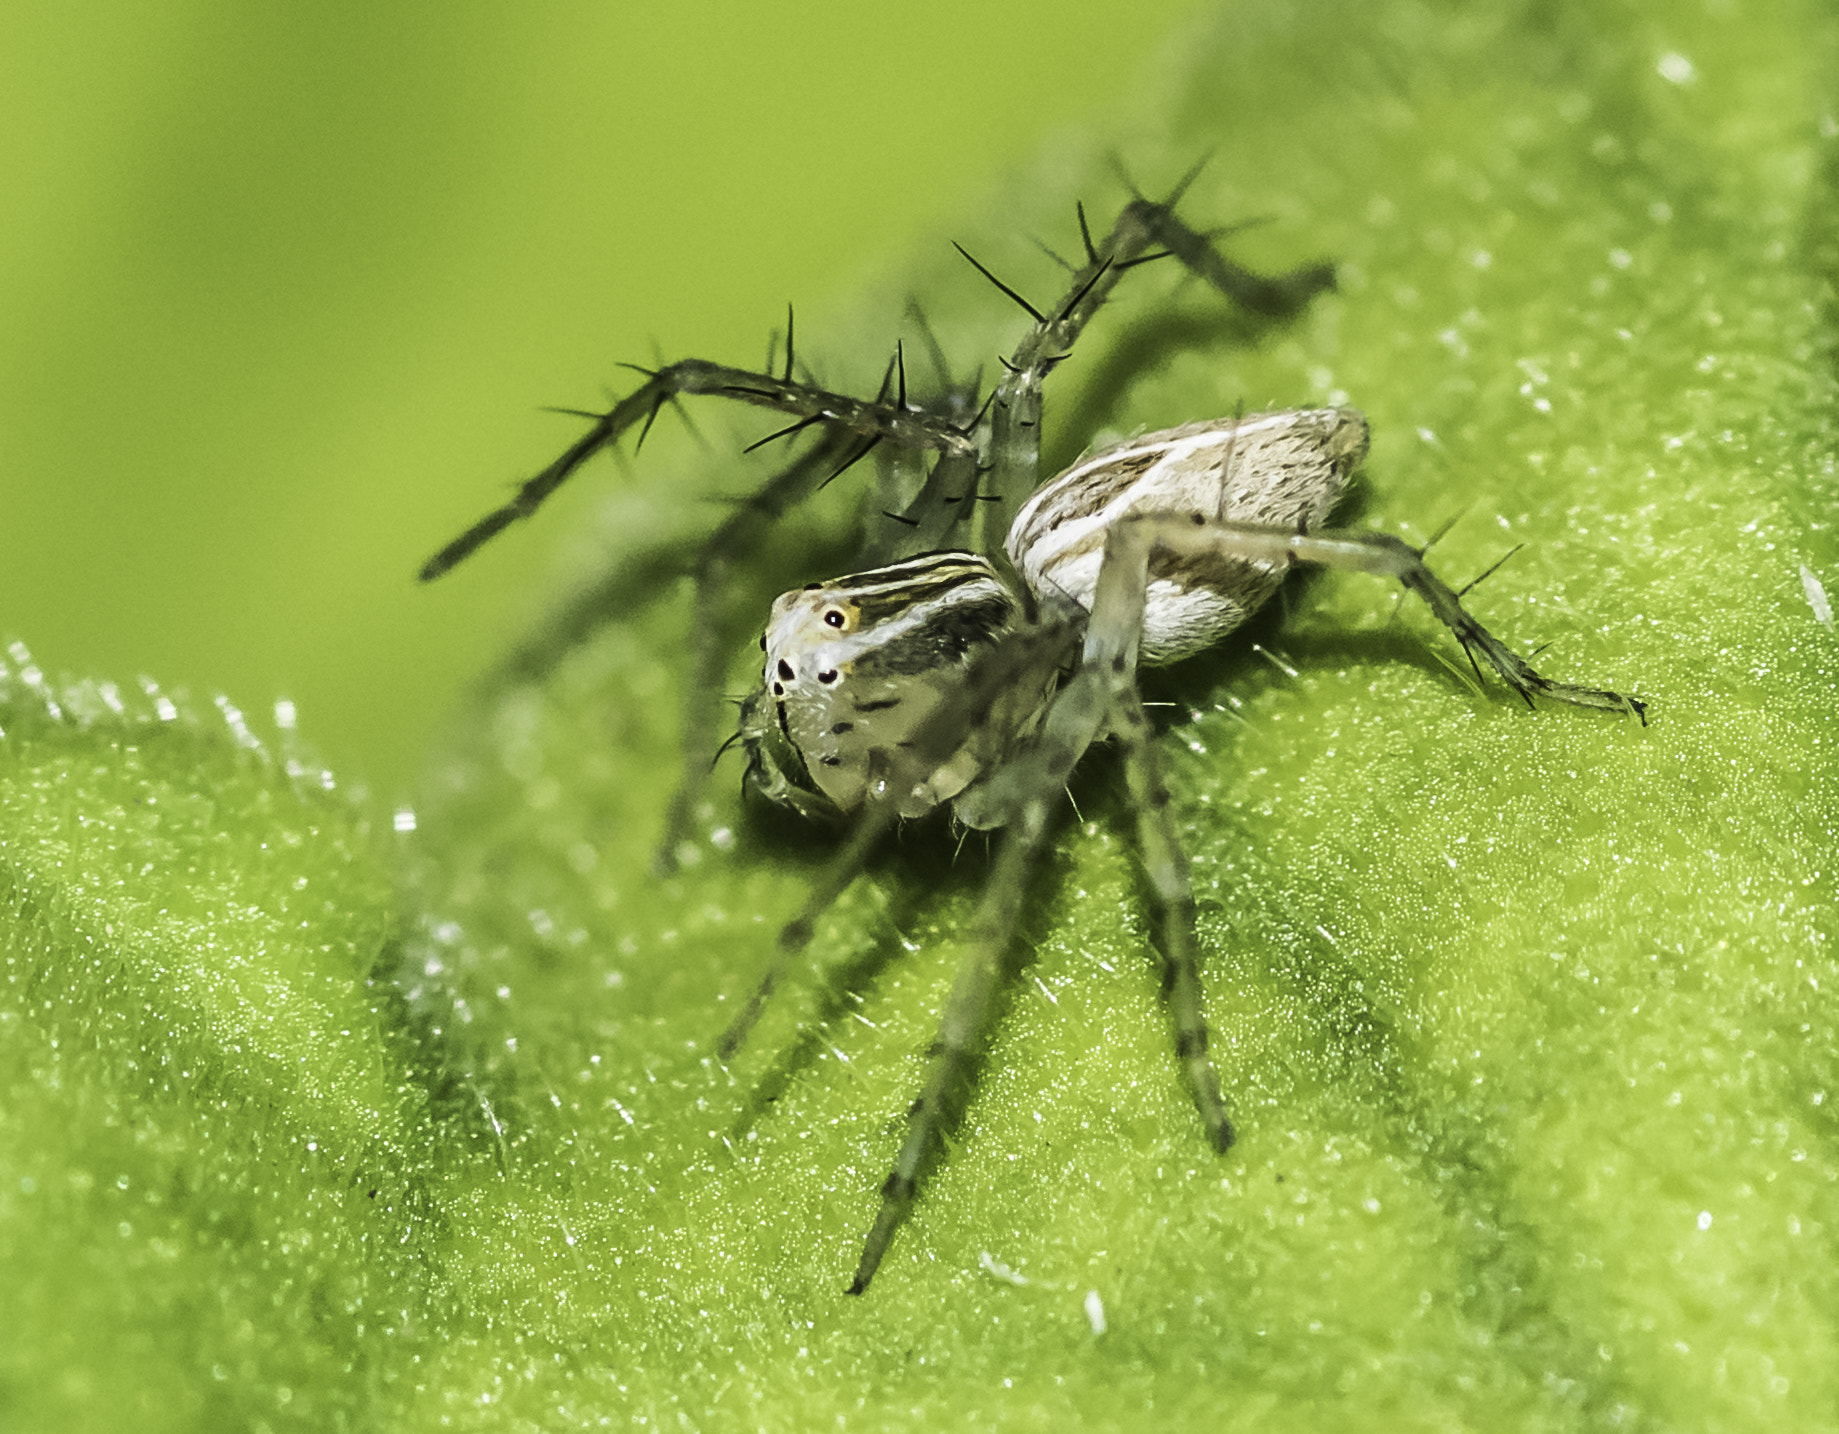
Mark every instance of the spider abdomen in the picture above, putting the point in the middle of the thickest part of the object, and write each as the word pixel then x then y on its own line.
pixel 1286 468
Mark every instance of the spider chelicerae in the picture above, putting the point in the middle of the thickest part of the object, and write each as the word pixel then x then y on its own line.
pixel 996 630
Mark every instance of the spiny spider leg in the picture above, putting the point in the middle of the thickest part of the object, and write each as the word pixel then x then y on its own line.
pixel 966 1013
pixel 922 515
pixel 1023 661
pixel 967 1009
pixel 947 500
pixel 1021 798
pixel 1382 555
pixel 1105 694
pixel 869 421
pixel 1015 446
pixel 1034 787
pixel 1166 863
pixel 1101 695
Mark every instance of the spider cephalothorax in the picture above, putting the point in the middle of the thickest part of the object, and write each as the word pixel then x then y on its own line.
pixel 854 666
pixel 996 633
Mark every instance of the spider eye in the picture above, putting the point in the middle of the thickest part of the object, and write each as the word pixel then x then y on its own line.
pixel 785 670
pixel 763 642
pixel 834 616
pixel 827 677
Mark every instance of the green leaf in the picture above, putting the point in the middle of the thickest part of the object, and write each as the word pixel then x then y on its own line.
pixel 210 1198
pixel 1523 1015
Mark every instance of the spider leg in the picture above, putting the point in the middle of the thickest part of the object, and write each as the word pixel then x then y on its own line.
pixel 869 421
pixel 1020 797
pixel 1078 715
pixel 926 512
pixel 947 506
pixel 1382 555
pixel 1104 693
pixel 1144 224
pixel 1023 662
pixel 966 1012
pixel 1167 865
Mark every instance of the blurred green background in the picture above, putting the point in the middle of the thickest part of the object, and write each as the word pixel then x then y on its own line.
pixel 1527 1015
pixel 283 290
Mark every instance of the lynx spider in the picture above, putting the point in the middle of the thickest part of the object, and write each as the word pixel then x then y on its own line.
pixel 972 669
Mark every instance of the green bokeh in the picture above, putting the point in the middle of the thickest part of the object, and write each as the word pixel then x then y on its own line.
pixel 1525 1017
pixel 283 289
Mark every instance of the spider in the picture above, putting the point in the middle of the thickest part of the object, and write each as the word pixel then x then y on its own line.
pixel 996 636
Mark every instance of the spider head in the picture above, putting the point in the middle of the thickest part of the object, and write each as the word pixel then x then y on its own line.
pixel 852 670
